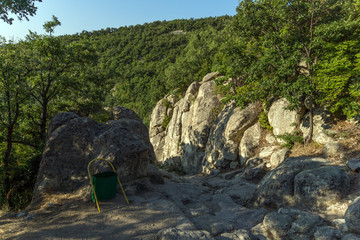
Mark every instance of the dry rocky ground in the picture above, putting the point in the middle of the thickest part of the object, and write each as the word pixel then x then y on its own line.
pixel 211 203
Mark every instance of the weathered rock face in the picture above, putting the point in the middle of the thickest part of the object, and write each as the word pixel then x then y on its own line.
pixel 159 116
pixel 277 186
pixel 202 135
pixel 214 154
pixel 73 141
pixel 354 164
pixel 352 216
pixel 291 224
pixel 281 119
pixel 184 140
pixel 249 143
pixel 321 187
pixel 225 135
pixel 278 157
pixel 196 127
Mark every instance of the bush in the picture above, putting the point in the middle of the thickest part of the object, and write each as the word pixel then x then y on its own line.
pixel 264 122
pixel 291 139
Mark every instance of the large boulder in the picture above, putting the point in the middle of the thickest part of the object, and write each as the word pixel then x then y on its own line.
pixel 321 187
pixel 281 119
pixel 291 224
pixel 73 141
pixel 277 187
pixel 249 142
pixel 352 216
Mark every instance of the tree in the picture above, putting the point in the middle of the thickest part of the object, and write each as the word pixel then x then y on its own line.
pixel 50 25
pixel 21 8
pixel 286 41
pixel 54 67
pixel 13 74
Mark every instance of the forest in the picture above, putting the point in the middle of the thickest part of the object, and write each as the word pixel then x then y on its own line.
pixel 302 50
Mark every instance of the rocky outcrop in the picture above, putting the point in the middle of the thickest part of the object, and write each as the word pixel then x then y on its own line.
pixel 199 134
pixel 225 136
pixel 73 141
pixel 321 187
pixel 183 142
pixel 277 187
pixel 196 127
pixel 217 154
pixel 352 216
pixel 160 118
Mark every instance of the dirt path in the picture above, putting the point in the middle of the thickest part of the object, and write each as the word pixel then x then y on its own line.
pixel 70 218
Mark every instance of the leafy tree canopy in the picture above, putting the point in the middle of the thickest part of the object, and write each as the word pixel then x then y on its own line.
pixel 21 8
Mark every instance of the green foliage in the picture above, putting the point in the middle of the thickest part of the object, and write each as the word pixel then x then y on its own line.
pixel 21 8
pixel 293 50
pixel 166 121
pixel 50 25
pixel 337 78
pixel 291 139
pixel 166 103
pixel 264 121
pixel 270 49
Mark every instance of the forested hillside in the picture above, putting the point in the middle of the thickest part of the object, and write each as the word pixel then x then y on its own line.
pixel 89 73
pixel 306 51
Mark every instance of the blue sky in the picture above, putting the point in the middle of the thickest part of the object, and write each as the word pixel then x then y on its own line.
pixel 78 15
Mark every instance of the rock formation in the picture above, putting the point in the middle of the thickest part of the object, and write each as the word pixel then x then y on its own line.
pixel 184 140
pixel 197 133
pixel 202 134
pixel 231 143
pixel 73 141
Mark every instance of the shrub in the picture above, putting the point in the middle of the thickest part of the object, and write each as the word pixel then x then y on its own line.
pixel 291 139
pixel 264 122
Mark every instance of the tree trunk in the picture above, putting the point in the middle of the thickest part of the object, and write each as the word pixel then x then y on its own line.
pixel 43 122
pixel 308 138
pixel 6 162
pixel 310 104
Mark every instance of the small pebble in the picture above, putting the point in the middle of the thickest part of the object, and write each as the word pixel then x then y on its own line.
pixel 29 217
pixel 23 214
